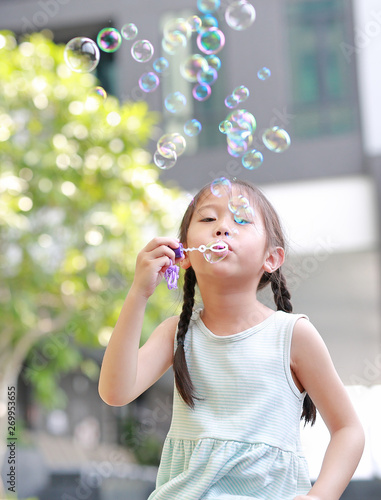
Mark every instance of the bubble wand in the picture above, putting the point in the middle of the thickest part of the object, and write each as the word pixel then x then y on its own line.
pixel 213 252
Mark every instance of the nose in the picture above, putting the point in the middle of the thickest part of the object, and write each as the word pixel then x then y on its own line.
pixel 222 230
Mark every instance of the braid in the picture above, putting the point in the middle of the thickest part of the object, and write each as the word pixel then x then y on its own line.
pixel 183 381
pixel 282 300
pixel 281 294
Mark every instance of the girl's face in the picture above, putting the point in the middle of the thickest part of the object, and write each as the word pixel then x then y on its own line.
pixel 212 220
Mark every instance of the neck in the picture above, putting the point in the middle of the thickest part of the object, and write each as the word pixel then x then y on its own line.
pixel 230 309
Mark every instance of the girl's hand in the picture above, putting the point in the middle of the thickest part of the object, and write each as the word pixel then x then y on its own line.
pixel 152 262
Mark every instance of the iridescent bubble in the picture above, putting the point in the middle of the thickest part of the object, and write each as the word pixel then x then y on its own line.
pixel 201 92
pixel 241 119
pixel 208 6
pixel 173 141
pixel 213 61
pixel 252 160
pixel 239 137
pixel 175 102
pixel 239 142
pixel 99 92
pixel 176 26
pixel 192 127
pixel 194 22
pixel 221 187
pixel 173 43
pixel 160 65
pixel 165 159
pixel 231 101
pixel 244 216
pixel 109 39
pixel 211 41
pixel 192 66
pixel 225 126
pixel 276 139
pixel 216 251
pixel 129 31
pixel 82 54
pixel 238 203
pixel 149 82
pixel 209 76
pixel 240 15
pixel 142 51
pixel 241 93
pixel 264 73
pixel 208 21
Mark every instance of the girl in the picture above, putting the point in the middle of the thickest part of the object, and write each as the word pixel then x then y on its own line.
pixel 242 370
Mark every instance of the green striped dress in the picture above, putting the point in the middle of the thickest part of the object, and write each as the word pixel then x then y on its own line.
pixel 241 441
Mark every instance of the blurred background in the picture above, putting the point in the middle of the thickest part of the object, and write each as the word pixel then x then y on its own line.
pixel 80 195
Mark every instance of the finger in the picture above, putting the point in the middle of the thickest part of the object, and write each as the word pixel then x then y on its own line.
pixel 162 240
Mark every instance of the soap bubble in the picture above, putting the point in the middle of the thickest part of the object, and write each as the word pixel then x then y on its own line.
pixel 160 65
pixel 194 22
pixel 244 215
pixel 238 203
pixel 208 21
pixel 242 119
pixel 192 66
pixel 149 82
pixel 174 141
pixel 177 26
pixel 239 136
pixel 129 31
pixel 175 102
pixel 225 126
pixel 208 6
pixel 173 43
pixel 220 187
pixel 209 76
pixel 276 139
pixel 201 92
pixel 99 92
pixel 231 101
pixel 216 251
pixel 240 15
pixel 142 51
pixel 165 159
pixel 192 127
pixel 109 39
pixel 82 55
pixel 264 73
pixel 211 41
pixel 252 160
pixel 213 61
pixel 241 93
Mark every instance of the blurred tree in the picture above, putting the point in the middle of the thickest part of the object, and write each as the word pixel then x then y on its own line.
pixel 78 199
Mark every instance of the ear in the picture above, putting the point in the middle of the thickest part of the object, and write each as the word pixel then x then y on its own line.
pixel 274 260
pixel 185 263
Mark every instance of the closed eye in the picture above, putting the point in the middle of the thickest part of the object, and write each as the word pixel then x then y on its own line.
pixel 207 219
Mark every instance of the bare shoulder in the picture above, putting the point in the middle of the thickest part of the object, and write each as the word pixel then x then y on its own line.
pixel 166 330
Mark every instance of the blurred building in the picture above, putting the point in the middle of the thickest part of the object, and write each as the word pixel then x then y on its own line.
pixel 324 90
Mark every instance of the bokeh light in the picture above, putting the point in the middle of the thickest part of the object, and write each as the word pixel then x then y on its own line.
pixel 264 73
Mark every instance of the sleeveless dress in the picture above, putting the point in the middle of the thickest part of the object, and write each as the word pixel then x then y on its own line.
pixel 242 439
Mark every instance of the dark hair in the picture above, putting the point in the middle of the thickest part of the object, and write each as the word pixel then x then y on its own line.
pixel 277 280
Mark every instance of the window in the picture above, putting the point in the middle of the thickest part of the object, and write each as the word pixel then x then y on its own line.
pixel 323 85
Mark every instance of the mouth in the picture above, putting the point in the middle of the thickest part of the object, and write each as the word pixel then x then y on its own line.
pixel 216 251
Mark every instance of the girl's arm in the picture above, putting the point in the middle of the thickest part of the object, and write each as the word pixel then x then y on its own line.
pixel 313 367
pixel 128 371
